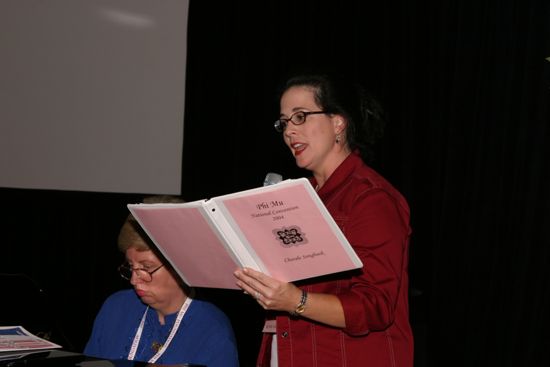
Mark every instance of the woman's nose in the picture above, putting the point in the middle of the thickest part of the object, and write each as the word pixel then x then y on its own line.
pixel 290 130
pixel 134 279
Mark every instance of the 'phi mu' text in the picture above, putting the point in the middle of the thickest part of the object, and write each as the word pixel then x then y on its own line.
pixel 269 204
pixel 304 257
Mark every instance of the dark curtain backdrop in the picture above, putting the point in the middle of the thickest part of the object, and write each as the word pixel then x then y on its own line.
pixel 466 86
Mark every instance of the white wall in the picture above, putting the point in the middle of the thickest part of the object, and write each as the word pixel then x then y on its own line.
pixel 92 94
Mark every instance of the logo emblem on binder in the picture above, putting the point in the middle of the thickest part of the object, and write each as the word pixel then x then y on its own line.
pixel 290 236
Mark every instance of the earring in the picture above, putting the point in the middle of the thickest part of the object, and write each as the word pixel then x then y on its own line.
pixel 338 139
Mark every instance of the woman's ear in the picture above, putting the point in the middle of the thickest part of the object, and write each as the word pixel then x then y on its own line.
pixel 339 124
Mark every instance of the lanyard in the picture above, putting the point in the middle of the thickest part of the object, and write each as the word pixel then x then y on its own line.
pixel 173 332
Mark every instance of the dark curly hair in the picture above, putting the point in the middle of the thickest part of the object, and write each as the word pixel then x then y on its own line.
pixel 339 95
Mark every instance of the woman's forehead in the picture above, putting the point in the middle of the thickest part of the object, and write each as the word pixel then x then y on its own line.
pixel 138 254
pixel 298 96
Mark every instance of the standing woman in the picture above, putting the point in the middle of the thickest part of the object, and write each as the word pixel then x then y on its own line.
pixel 354 318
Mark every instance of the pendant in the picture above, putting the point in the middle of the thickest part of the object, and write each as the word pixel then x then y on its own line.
pixel 156 346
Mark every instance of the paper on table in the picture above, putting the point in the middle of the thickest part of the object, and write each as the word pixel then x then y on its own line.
pixel 17 338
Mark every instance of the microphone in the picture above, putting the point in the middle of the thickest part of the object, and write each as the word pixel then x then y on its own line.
pixel 272 178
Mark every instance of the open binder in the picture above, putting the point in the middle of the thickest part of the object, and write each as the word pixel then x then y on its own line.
pixel 283 230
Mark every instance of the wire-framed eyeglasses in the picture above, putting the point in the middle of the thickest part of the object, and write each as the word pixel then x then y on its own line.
pixel 125 271
pixel 297 118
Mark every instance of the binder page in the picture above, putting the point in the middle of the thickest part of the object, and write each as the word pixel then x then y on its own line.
pixel 289 229
pixel 186 238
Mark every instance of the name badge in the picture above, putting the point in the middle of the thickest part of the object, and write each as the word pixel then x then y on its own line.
pixel 270 326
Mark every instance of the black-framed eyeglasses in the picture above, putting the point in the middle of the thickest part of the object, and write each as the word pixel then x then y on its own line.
pixel 297 118
pixel 125 271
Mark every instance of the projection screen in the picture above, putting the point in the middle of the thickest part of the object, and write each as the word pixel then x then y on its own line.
pixel 92 94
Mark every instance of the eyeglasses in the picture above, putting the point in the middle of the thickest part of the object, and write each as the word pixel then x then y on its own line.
pixel 125 271
pixel 297 118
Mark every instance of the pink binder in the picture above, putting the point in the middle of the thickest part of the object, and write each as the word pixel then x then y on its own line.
pixel 283 230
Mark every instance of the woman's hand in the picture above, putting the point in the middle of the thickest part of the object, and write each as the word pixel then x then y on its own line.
pixel 270 293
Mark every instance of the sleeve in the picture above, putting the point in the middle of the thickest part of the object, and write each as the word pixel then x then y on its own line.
pixel 378 229
pixel 93 346
pixel 222 353
pixel 110 327
pixel 214 342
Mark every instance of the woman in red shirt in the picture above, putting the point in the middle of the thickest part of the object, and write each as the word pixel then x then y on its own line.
pixel 354 318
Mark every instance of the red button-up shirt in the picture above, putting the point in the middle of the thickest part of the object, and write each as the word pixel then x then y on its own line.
pixel 374 217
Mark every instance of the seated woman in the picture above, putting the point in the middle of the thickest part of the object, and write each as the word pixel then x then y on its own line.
pixel 158 321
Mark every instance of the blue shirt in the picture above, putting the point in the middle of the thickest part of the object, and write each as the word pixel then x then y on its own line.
pixel 205 335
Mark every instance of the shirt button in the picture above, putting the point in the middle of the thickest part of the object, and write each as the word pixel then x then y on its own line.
pixel 284 334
